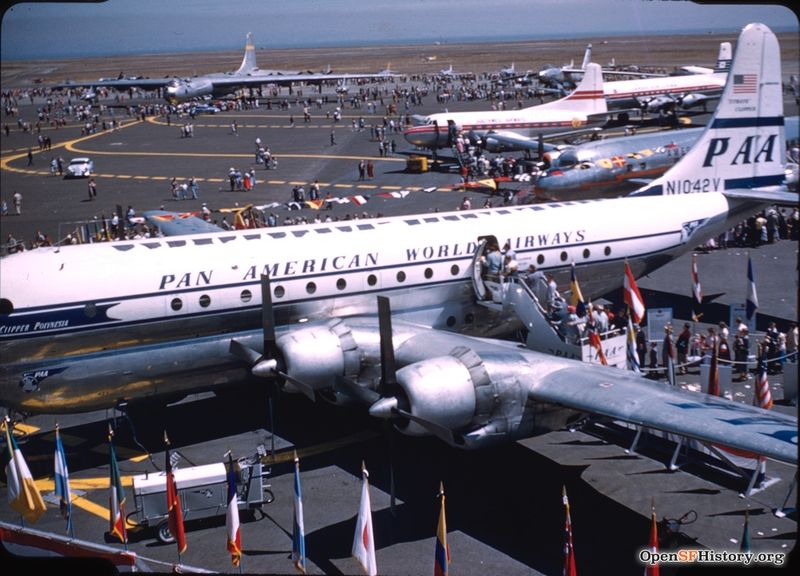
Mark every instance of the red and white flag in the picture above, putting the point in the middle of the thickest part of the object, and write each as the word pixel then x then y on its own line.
pixel 633 298
pixel 363 541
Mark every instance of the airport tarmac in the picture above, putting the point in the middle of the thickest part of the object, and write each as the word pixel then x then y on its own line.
pixel 504 508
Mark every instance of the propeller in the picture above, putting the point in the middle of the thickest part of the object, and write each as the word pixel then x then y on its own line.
pixel 268 364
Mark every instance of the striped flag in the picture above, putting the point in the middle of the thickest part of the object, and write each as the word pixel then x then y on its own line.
pixel 62 481
pixel 577 296
pixel 713 371
pixel 363 541
pixel 116 498
pixel 175 515
pixel 763 396
pixel 752 297
pixel 633 357
pixel 597 344
pixel 745 83
pixel 632 296
pixel 298 532
pixel 569 550
pixel 697 291
pixel 359 199
pixel 442 553
pixel 22 493
pixel 653 569
pixel 232 516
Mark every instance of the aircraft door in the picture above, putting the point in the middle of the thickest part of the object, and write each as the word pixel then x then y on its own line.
pixel 480 289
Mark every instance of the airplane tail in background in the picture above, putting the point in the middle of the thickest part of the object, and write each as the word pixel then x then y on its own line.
pixel 724 58
pixel 744 143
pixel 249 60
pixel 588 95
pixel 587 57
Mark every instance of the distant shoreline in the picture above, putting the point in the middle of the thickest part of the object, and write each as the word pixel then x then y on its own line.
pixel 477 57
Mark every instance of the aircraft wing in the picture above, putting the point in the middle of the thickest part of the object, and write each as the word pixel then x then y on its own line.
pixel 624 396
pixel 514 141
pixel 234 80
pixel 123 83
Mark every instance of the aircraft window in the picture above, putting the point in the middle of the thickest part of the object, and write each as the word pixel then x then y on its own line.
pixel 90 310
pixel 252 236
pixel 540 259
pixel 311 287
pixel 176 243
pixel 607 250
pixel 451 218
pixel 372 279
pixel 586 253
pixel 341 284
pixel 536 208
pixel 429 220
pixel 553 205
pixel 324 230
pixel 124 247
pixel 299 233
pixel 202 241
pixel 451 321
pixel 468 215
pixel 564 256
pixel 279 292
pixel 503 211
pixel 365 226
pixel 401 276
pixel 226 238
pixel 205 300
pixel 345 228
pixel 412 222
pixel 277 234
pixel 176 304
pixel 454 270
pixel 428 273
pixel 246 296
pixel 6 307
pixel 152 245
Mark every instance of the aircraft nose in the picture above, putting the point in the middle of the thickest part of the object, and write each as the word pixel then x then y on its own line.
pixel 422 136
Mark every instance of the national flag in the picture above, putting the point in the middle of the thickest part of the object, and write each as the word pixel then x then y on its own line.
pixel 569 550
pixel 745 83
pixel 713 370
pixel 314 204
pixel 744 546
pixel 597 344
pixel 763 396
pixel 175 515
pixel 62 481
pixel 116 497
pixel 653 569
pixel 298 531
pixel 398 194
pixel 752 297
pixel 633 357
pixel 232 516
pixel 363 541
pixel 669 355
pixel 359 199
pixel 577 296
pixel 697 289
pixel 632 296
pixel 442 553
pixel 23 495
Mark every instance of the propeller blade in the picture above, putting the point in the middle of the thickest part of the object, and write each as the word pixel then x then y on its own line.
pixel 300 385
pixel 388 368
pixel 244 353
pixel 437 430
pixel 360 393
pixel 267 317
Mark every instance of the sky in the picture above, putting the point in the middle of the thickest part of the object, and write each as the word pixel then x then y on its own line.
pixel 66 29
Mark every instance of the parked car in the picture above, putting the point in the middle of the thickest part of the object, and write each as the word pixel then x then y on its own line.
pixel 205 109
pixel 79 168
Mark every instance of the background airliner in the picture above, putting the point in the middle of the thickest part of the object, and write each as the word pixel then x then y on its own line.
pixel 298 305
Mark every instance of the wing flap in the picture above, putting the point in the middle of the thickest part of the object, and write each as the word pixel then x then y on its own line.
pixel 623 396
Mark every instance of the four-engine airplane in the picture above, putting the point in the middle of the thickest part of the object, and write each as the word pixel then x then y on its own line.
pixel 159 318
pixel 222 83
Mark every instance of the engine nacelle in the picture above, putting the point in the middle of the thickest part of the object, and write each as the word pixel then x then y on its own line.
pixel 660 104
pixel 692 100
pixel 317 354
pixel 440 390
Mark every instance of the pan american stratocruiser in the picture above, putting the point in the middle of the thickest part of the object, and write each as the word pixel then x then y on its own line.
pixel 92 326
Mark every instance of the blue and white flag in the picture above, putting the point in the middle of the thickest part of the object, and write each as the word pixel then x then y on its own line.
pixel 298 533
pixel 752 297
pixel 633 357
pixel 62 482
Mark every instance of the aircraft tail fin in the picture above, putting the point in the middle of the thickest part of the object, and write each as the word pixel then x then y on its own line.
pixel 587 57
pixel 744 144
pixel 249 59
pixel 588 96
pixel 724 58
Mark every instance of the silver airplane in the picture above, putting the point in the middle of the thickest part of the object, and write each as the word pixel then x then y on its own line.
pixel 297 305
pixel 248 75
pixel 603 165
